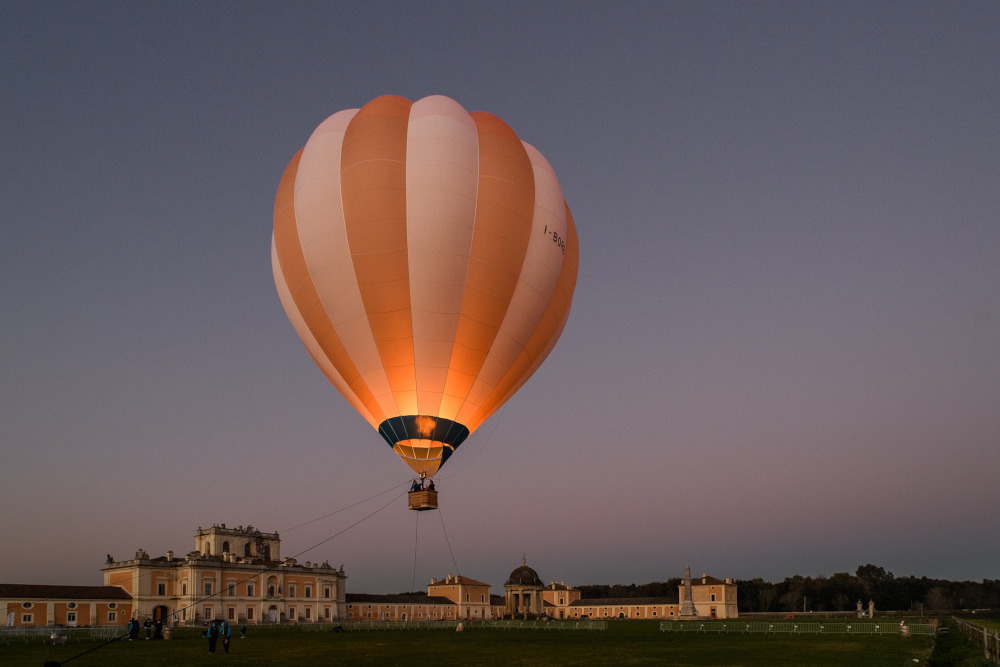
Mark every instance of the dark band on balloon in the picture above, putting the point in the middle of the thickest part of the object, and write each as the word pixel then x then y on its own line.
pixel 423 427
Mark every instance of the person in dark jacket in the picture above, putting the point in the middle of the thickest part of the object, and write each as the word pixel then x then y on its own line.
pixel 227 633
pixel 213 636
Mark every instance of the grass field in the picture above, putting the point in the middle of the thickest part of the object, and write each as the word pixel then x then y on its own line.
pixel 623 643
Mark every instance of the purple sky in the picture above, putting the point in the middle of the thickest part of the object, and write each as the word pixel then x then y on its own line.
pixel 784 350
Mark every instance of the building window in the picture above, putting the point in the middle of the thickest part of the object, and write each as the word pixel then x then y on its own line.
pixel 161 589
pixel 246 550
pixel 249 589
pixel 184 588
pixel 308 592
pixel 713 597
pixel 225 547
pixel 232 613
pixel 111 616
pixel 26 618
pixel 326 612
pixel 209 614
pixel 369 614
pixel 208 587
pixel 71 618
pixel 308 615
pixel 71 605
pixel 291 613
pixel 26 605
pixel 184 614
pixel 326 591
pixel 291 590
pixel 112 605
pixel 249 613
pixel 231 590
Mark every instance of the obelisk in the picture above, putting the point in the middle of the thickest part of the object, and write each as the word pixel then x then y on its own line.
pixel 687 606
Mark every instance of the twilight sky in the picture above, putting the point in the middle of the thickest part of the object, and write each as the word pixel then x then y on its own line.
pixel 784 350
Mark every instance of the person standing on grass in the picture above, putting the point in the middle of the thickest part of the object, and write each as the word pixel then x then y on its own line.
pixel 213 636
pixel 227 633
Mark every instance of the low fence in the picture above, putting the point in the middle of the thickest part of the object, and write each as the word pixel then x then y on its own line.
pixel 985 638
pixel 792 628
pixel 540 625
pixel 44 633
pixel 467 625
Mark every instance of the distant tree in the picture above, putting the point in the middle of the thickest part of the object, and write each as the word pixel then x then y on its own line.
pixel 592 591
pixel 841 601
pixel 937 599
pixel 765 597
pixel 871 572
pixel 792 599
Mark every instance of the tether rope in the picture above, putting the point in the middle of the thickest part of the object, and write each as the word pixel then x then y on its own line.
pixel 416 532
pixel 483 448
pixel 448 542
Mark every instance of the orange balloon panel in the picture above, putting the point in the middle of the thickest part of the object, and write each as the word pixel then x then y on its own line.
pixel 427 259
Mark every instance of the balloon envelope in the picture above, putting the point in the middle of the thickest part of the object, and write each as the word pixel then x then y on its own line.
pixel 427 259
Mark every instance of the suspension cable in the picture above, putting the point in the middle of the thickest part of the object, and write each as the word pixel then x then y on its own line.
pixel 416 532
pixel 481 449
pixel 448 542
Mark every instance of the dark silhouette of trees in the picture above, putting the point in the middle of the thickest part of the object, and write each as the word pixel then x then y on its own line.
pixel 839 592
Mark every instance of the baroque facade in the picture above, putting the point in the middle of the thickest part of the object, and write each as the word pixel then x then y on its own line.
pixel 236 574
pixel 706 597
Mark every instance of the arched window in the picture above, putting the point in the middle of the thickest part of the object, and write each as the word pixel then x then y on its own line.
pixel 267 552
pixel 208 548
pixel 225 547
pixel 246 550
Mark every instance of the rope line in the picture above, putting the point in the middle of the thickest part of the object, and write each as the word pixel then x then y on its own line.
pixel 381 493
pixel 416 532
pixel 448 542
pixel 483 448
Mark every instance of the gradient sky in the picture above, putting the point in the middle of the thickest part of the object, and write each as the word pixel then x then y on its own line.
pixel 784 350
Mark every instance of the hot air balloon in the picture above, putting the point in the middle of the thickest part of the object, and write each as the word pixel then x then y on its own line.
pixel 427 259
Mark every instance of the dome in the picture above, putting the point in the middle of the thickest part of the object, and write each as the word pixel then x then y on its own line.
pixel 524 576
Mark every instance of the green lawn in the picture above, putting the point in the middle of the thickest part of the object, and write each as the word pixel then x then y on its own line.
pixel 992 622
pixel 623 643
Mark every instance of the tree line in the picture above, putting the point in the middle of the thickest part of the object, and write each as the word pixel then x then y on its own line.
pixel 839 592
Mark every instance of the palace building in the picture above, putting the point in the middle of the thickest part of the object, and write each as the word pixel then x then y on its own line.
pixel 238 575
